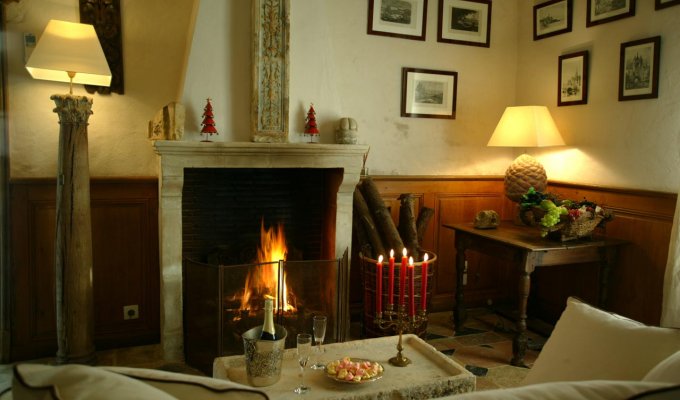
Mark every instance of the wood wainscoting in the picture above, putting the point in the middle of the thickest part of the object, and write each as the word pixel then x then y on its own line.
pixel 643 218
pixel 125 258
pixel 126 266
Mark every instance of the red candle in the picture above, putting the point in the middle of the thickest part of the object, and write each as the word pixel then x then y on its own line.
pixel 390 289
pixel 402 278
pixel 378 285
pixel 412 288
pixel 423 286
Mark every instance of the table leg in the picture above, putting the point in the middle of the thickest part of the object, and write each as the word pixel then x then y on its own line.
pixel 519 343
pixel 607 259
pixel 459 313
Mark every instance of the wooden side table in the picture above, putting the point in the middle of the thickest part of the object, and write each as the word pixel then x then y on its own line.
pixel 523 246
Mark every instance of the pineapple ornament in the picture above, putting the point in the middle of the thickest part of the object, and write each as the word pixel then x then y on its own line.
pixel 311 129
pixel 208 122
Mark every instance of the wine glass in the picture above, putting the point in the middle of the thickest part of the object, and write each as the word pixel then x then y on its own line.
pixel 319 328
pixel 304 348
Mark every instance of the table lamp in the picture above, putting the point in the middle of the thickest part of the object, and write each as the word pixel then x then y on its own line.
pixel 525 126
pixel 70 52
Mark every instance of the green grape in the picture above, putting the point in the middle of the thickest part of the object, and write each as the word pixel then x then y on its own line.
pixel 552 216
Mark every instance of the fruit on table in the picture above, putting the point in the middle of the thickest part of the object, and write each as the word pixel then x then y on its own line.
pixel 353 371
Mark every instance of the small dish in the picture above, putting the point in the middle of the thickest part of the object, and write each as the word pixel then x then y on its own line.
pixel 335 377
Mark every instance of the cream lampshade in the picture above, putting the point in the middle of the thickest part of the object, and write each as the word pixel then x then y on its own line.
pixel 70 52
pixel 525 126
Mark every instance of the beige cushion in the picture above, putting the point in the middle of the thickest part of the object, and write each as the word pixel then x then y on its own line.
pixel 34 381
pixel 667 370
pixel 588 343
pixel 591 390
pixel 73 382
pixel 183 386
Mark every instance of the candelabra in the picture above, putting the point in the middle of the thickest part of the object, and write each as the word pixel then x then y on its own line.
pixel 399 321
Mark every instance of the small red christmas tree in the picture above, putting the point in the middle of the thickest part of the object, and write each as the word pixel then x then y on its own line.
pixel 310 124
pixel 208 122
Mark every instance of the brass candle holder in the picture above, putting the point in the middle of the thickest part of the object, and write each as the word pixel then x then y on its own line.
pixel 399 321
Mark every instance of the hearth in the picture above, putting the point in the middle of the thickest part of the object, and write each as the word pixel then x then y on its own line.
pixel 222 302
pixel 333 170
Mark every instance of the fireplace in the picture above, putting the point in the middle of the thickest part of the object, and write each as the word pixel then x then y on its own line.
pixel 324 234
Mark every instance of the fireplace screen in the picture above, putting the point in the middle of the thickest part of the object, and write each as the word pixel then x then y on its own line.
pixel 221 302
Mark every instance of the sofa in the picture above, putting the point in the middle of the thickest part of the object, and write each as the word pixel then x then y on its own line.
pixel 595 354
pixel 591 354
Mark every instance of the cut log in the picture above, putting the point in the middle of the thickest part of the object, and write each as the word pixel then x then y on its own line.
pixel 366 219
pixel 424 217
pixel 407 225
pixel 381 216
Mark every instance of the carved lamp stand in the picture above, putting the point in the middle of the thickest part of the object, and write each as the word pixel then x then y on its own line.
pixel 70 52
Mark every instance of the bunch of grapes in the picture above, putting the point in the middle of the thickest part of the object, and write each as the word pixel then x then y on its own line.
pixel 553 213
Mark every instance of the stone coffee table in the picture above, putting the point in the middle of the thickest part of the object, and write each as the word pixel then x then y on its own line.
pixel 431 373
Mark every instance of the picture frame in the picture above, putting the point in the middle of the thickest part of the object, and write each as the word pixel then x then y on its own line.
pixel 404 19
pixel 603 11
pixel 552 18
pixel 572 79
pixel 428 93
pixel 639 69
pixel 661 4
pixel 466 22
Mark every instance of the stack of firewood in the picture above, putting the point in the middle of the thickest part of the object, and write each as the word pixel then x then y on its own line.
pixel 375 229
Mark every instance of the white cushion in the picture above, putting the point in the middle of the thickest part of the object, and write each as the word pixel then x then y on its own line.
pixel 35 381
pixel 73 382
pixel 588 343
pixel 183 386
pixel 667 370
pixel 591 390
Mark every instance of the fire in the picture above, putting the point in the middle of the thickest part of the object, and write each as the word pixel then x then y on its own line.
pixel 264 280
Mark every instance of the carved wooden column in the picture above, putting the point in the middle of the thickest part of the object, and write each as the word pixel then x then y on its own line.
pixel 75 311
pixel 269 103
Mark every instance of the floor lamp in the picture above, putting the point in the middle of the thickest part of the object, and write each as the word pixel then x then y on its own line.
pixel 70 52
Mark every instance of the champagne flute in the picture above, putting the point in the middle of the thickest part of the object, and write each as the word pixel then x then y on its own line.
pixel 304 348
pixel 319 328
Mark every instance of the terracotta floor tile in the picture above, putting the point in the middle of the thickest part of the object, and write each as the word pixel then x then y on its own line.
pixel 480 338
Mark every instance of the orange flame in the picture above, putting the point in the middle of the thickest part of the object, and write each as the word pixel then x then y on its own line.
pixel 264 280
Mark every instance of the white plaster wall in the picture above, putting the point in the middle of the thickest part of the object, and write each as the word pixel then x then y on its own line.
pixel 154 36
pixel 345 72
pixel 632 144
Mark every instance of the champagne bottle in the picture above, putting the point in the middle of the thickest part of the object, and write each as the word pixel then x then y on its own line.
pixel 268 330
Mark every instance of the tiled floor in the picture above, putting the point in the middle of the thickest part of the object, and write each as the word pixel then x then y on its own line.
pixel 484 347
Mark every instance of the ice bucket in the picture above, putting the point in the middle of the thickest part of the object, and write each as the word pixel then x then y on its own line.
pixel 264 357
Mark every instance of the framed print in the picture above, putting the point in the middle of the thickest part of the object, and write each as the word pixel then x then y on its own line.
pixel 465 22
pixel 601 11
pixel 639 69
pixel 572 78
pixel 552 18
pixel 659 4
pixel 426 93
pixel 397 18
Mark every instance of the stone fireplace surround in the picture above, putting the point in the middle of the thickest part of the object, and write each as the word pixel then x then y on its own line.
pixel 175 156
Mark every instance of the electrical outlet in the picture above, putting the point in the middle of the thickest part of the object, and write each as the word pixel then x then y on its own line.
pixel 131 312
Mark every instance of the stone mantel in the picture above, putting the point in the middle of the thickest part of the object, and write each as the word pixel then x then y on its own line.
pixel 175 156
pixel 314 155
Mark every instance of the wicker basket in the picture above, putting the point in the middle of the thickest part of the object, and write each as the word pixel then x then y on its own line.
pixel 564 230
pixel 572 230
